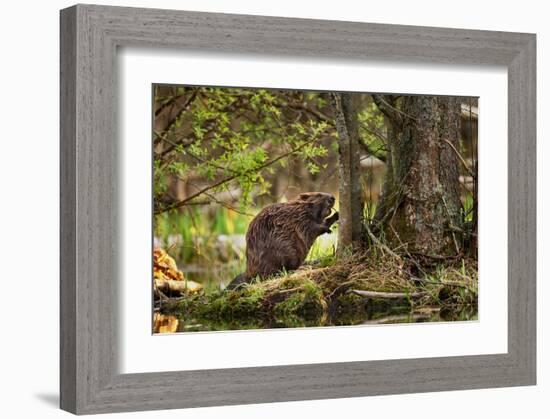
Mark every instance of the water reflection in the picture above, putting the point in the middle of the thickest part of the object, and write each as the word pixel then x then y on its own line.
pixel 164 323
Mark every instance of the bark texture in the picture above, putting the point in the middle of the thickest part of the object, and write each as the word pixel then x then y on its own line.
pixel 420 206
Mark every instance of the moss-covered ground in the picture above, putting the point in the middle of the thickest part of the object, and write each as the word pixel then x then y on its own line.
pixel 329 293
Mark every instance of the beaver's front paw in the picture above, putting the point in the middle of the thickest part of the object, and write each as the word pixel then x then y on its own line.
pixel 326 230
pixel 332 219
pixel 328 222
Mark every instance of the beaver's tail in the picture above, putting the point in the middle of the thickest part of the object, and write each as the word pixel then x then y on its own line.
pixel 238 281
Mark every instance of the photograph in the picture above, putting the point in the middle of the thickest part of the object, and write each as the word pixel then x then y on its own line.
pixel 277 208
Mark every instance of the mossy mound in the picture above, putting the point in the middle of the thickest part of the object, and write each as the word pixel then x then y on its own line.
pixel 317 293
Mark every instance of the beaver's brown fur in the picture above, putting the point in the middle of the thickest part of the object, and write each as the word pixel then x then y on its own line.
pixel 280 236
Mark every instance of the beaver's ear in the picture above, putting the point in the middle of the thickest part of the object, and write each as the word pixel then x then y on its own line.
pixel 304 196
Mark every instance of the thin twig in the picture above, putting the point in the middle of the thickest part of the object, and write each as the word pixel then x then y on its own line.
pixel 379 243
pixel 413 260
pixel 168 103
pixel 460 157
pixel 185 106
pixel 318 114
pixel 449 283
pixel 228 206
pixel 390 110
pixel 376 133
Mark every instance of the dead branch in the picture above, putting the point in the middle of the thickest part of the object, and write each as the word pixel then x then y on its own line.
pixel 379 243
pixel 389 295
pixel 472 174
pixel 171 287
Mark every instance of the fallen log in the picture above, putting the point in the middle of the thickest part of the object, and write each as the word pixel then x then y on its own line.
pixel 171 287
pixel 389 295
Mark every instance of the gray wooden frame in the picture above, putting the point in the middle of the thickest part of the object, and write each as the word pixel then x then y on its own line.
pixel 90 36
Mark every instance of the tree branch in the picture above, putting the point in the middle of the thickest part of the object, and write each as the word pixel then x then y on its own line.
pixel 468 170
pixel 363 144
pixel 230 178
pixel 184 142
pixel 374 132
pixel 168 103
pixel 184 108
pixel 388 109
pixel 317 114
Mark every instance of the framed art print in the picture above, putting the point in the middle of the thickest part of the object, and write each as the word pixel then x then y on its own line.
pixel 259 209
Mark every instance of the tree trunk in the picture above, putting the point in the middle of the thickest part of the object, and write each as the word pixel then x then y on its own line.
pixel 420 207
pixel 350 197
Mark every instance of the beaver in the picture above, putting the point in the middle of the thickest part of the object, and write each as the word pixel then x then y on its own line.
pixel 280 236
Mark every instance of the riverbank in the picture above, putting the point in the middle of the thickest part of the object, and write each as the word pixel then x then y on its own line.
pixel 375 286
